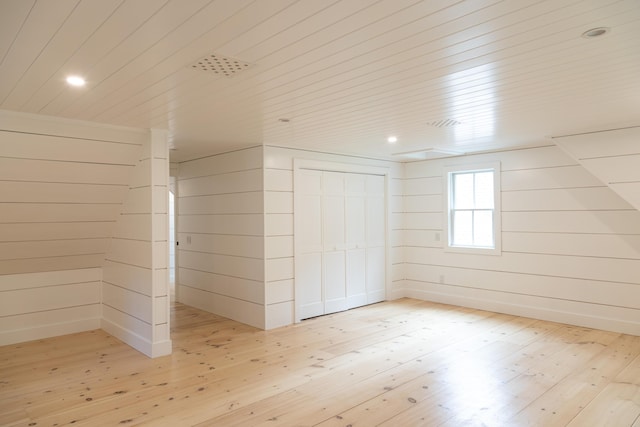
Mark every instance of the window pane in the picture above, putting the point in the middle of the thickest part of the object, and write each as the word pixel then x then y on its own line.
pixel 483 229
pixel 463 191
pixel 484 190
pixel 462 228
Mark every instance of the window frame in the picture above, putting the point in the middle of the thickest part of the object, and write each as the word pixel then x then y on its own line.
pixel 448 173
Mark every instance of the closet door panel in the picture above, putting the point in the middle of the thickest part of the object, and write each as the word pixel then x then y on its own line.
pixel 333 276
pixel 356 278
pixel 309 276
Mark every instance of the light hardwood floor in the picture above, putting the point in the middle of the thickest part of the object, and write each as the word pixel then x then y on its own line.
pixel 400 363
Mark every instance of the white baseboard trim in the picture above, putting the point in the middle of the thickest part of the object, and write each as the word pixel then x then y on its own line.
pixel 571 318
pixel 48 331
pixel 144 346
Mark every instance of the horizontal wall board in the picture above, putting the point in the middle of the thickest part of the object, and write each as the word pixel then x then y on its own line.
pixel 132 226
pixel 278 224
pixel 124 323
pixel 279 291
pixel 421 203
pixel 246 224
pixel 279 269
pixel 51 323
pixel 140 175
pixel 161 314
pixel 398 276
pixel 279 314
pixel 278 180
pixel 160 201
pixel 128 276
pixel 24 232
pixel 232 182
pixel 589 268
pixel 603 222
pixel 590 245
pixel 49 192
pixel 34 265
pixel 32 300
pixel 250 158
pixel 278 246
pixel 248 246
pixel 278 202
pixel 133 252
pixel 397 204
pixel 615 169
pixel 57 212
pixel 619 142
pixel 592 291
pixel 238 203
pixel 585 199
pixel 243 268
pixel 423 186
pixel 56 126
pixel 422 221
pixel 49 278
pixel 51 248
pixel 239 310
pixel 546 178
pixel 424 238
pixel 38 146
pixel 629 191
pixel 571 312
pixel 527 158
pixel 126 301
pixel 55 171
pixel 247 290
pixel 137 201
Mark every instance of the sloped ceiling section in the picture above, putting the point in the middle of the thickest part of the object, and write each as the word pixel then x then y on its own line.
pixel 62 185
pixel 613 156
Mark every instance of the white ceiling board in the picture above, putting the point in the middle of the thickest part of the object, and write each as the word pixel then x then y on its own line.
pixel 347 73
pixel 14 14
pixel 80 24
pixel 117 27
pixel 31 40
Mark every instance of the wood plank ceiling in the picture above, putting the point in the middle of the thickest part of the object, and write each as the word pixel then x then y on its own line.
pixel 346 74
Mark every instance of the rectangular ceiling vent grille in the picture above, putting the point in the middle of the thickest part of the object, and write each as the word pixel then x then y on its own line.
pixel 444 123
pixel 219 65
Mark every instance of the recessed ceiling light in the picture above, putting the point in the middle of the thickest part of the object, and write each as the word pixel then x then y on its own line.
pixel 76 81
pixel 596 32
pixel 392 139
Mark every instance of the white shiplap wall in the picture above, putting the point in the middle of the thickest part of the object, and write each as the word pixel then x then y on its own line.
pixel 135 297
pixel 279 237
pixel 221 235
pixel 47 304
pixel 571 246
pixel 62 184
pixel 613 156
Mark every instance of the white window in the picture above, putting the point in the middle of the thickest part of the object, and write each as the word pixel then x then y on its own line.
pixel 473 208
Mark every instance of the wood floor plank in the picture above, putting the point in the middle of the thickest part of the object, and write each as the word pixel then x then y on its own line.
pixel 399 363
pixel 618 404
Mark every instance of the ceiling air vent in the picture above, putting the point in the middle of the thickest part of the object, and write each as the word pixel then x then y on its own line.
pixel 444 123
pixel 219 65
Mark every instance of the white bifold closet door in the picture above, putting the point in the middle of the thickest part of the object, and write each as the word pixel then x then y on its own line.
pixel 340 254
